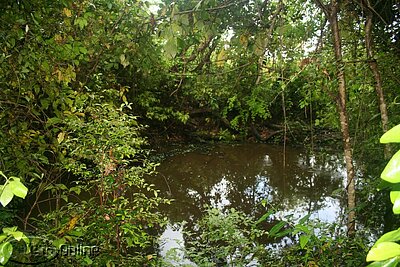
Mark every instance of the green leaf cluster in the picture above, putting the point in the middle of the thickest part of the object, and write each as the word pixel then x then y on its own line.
pixel 386 250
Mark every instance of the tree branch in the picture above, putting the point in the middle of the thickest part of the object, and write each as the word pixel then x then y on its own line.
pixel 323 7
pixel 211 9
pixel 366 6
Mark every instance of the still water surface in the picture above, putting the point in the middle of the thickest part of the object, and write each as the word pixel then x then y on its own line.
pixel 297 182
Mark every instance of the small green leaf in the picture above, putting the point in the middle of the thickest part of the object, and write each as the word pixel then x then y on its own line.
pixel 304 219
pixel 265 216
pixel 6 196
pixel 10 230
pixel 75 189
pixel 123 60
pixel 394 195
pixel 65 198
pixel 284 233
pixel 304 240
pixel 87 260
pixel 302 228
pixel 81 22
pixel 221 58
pixel 53 120
pixel 383 251
pixel 5 252
pixel 18 235
pixel 18 188
pixel 260 43
pixel 59 242
pixel 60 137
pixel 171 47
pixel 391 173
pixel 396 206
pixel 184 19
pixel 277 227
pixel 61 186
pixel 391 136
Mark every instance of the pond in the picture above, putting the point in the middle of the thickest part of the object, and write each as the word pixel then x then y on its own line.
pixel 294 181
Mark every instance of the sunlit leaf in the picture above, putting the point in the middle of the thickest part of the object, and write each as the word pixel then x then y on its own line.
pixel 396 206
pixel 60 137
pixel 394 195
pixel 124 61
pixel 302 228
pixel 10 230
pixel 383 251
pixel 391 173
pixel 6 250
pixel 388 263
pixel 221 58
pixel 391 136
pixel 67 12
pixel 18 235
pixel 18 188
pixel 389 236
pixel 6 196
pixel 304 240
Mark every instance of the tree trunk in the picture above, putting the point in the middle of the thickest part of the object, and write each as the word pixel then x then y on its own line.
pixel 373 65
pixel 344 121
pixel 331 11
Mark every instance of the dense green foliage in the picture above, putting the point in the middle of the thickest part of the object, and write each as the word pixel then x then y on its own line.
pixel 65 125
pixel 85 85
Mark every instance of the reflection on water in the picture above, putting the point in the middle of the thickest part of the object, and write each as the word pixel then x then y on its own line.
pixel 241 176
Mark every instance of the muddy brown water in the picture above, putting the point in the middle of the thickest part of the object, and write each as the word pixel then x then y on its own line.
pixel 295 181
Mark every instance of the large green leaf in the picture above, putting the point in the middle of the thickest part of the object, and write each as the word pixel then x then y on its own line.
pixel 5 252
pixel 18 188
pixel 391 136
pixel 391 236
pixel 383 251
pixel 391 173
pixel 388 263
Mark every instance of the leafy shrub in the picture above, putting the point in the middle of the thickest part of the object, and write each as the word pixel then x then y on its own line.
pixel 225 239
